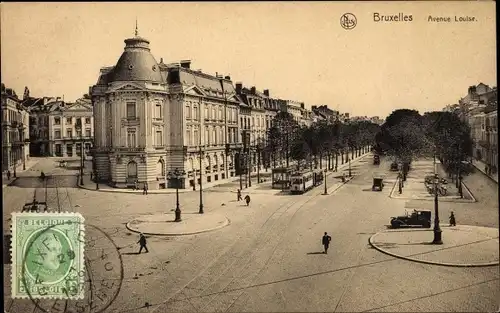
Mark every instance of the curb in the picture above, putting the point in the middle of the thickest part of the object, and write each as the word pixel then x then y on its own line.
pixel 120 190
pixel 370 241
pixel 117 190
pixel 482 172
pixel 228 222
pixel 394 188
pixel 464 186
pixel 441 198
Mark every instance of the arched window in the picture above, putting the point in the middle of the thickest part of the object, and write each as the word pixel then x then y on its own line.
pixel 160 169
pixel 132 170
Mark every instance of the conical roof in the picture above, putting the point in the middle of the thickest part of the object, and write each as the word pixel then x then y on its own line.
pixel 136 63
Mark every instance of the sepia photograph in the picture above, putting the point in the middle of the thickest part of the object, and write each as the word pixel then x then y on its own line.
pixel 273 156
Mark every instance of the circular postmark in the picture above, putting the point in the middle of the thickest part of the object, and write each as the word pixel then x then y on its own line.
pixel 99 279
pixel 348 21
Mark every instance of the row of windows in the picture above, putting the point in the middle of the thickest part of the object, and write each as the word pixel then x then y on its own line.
pixel 214 136
pixel 69 149
pixel 69 133
pixel 256 122
pixel 212 113
pixel 11 116
pixel 69 120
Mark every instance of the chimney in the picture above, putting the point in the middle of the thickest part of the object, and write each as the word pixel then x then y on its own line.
pixel 302 105
pixel 239 86
pixel 161 60
pixel 58 98
pixel 227 77
pixel 186 63
pixel 266 92
pixel 253 89
pixel 314 108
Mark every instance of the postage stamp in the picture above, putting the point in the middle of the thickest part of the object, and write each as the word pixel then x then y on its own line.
pixel 48 255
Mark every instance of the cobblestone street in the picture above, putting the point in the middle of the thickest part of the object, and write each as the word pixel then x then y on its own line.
pixel 269 257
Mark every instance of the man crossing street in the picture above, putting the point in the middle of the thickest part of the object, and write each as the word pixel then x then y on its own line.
pixel 142 242
pixel 326 242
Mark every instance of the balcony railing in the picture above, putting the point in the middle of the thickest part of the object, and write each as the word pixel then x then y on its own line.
pixel 127 149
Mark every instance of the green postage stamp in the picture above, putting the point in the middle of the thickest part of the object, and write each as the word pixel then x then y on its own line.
pixel 48 256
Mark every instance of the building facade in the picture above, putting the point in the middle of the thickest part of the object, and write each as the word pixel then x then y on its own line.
pixel 59 129
pixel 295 108
pixel 71 125
pixel 15 131
pixel 153 118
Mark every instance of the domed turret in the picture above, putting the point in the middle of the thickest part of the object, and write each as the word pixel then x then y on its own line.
pixel 136 62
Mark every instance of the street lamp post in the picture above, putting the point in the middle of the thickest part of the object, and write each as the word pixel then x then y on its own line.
pixel 82 162
pixel 437 230
pixel 326 191
pixel 258 163
pixel 249 168
pixel 350 174
pixel 201 184
pixel 177 175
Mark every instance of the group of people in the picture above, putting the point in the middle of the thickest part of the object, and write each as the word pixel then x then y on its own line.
pixel 144 187
pixel 247 197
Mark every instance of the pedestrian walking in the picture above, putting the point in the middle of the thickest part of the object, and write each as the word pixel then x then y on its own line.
pixel 91 175
pixel 8 175
pixel 452 219
pixel 145 189
pixel 247 199
pixel 142 242
pixel 136 185
pixel 326 241
pixel 239 195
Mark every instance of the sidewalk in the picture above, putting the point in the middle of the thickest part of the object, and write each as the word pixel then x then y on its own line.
pixel 91 186
pixel 19 169
pixel 164 224
pixel 415 188
pixel 480 165
pixel 463 245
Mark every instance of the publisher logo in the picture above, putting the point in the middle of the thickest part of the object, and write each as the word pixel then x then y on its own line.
pixel 348 21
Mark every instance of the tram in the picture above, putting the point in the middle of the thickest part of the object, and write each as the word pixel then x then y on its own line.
pixel 302 182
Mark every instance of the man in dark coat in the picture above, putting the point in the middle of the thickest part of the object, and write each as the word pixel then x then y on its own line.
pixel 247 199
pixel 452 219
pixel 326 242
pixel 239 194
pixel 142 242
pixel 8 175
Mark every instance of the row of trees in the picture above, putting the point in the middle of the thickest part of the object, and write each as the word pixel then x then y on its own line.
pixel 324 140
pixel 406 135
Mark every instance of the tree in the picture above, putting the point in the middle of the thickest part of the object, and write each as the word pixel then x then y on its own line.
pixel 406 140
pixel 281 135
pixel 300 148
pixel 450 137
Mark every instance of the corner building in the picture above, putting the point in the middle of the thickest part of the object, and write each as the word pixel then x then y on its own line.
pixel 152 118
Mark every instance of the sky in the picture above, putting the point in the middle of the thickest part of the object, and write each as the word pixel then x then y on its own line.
pixel 297 50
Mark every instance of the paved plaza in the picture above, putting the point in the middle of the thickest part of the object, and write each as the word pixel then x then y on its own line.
pixel 269 256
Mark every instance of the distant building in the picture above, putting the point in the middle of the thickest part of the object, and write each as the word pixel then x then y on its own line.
pixel 15 130
pixel 295 108
pixel 325 113
pixel 59 128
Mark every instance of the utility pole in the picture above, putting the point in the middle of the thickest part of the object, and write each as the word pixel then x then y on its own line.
pixel 201 183
pixel 258 163
pixel 225 127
